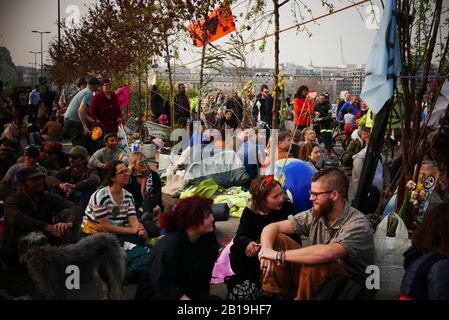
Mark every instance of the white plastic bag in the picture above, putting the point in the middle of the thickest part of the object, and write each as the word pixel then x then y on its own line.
pixel 123 140
pixel 389 256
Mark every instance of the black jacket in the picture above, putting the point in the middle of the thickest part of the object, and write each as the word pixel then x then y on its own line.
pixel 325 115
pixel 179 266
pixel 250 229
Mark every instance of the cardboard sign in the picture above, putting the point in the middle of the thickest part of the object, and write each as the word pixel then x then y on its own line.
pixel 131 126
pixel 158 130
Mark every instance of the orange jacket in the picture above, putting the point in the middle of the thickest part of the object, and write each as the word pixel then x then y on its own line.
pixel 303 111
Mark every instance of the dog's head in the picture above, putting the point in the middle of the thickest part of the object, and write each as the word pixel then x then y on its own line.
pixel 29 244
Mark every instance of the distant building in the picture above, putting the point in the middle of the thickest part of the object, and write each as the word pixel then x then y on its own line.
pixel 26 75
pixel 351 79
pixel 8 70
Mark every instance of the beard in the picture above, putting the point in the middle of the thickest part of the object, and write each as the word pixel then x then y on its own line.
pixel 323 209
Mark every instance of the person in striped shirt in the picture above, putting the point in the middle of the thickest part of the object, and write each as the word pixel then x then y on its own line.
pixel 111 209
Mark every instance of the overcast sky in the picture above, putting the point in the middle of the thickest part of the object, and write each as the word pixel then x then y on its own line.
pixel 19 17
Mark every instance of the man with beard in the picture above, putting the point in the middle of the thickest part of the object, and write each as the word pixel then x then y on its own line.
pixel 110 152
pixel 340 242
pixel 31 209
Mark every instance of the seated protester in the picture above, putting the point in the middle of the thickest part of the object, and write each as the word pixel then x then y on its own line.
pixel 296 144
pixel 42 115
pixel 267 206
pixel 230 120
pixel 8 157
pixel 249 152
pixel 110 152
pixel 340 242
pixel 55 159
pixel 11 135
pixel 145 187
pixel 52 130
pixel 181 263
pixel 284 142
pixel 111 209
pixel 30 160
pixel 374 195
pixel 426 262
pixel 310 152
pixel 33 209
pixel 359 138
pixel 29 134
pixel 308 135
pixel 76 182
pixel 6 114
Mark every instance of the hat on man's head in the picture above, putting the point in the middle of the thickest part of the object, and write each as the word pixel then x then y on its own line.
pixel 32 150
pixel 28 173
pixel 78 152
pixel 81 81
pixel 108 135
pixel 93 81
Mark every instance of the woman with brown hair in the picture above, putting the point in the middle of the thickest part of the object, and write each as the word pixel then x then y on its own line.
pixel 426 263
pixel 111 209
pixel 267 206
pixel 310 152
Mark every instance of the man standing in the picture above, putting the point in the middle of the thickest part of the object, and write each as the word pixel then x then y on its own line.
pixel 182 104
pixel 340 242
pixel 76 119
pixel 323 112
pixel 33 101
pixel 105 108
pixel 33 209
pixel 344 109
pixel 66 97
pixel 264 105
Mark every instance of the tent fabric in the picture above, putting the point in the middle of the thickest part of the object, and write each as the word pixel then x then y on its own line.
pixel 225 168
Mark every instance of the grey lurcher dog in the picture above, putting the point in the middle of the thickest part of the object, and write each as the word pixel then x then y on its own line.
pixel 99 254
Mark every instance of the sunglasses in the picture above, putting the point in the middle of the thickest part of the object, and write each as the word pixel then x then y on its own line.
pixel 144 162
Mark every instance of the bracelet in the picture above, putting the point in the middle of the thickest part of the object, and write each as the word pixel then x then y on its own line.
pixel 280 257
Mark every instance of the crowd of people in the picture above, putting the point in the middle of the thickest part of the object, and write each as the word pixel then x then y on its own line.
pixel 98 187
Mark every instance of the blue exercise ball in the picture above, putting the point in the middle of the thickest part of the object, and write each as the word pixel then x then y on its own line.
pixel 296 180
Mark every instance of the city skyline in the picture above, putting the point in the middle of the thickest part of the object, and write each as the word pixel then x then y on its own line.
pixel 18 18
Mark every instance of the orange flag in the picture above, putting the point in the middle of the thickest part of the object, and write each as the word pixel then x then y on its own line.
pixel 220 23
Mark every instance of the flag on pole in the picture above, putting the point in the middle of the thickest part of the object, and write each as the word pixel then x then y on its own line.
pixel 124 95
pixel 220 23
pixel 384 61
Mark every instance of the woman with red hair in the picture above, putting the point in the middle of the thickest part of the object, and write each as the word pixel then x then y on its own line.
pixel 181 263
pixel 267 206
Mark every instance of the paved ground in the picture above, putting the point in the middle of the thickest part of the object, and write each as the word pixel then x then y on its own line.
pixel 19 284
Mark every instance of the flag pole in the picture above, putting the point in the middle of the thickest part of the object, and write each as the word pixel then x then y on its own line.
pixel 373 154
pixel 378 93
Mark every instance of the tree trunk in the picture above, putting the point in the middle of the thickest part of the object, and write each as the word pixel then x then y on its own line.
pixel 203 56
pixel 170 82
pixel 274 122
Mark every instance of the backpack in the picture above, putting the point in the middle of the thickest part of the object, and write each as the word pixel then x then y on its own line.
pixel 342 288
pixel 137 263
